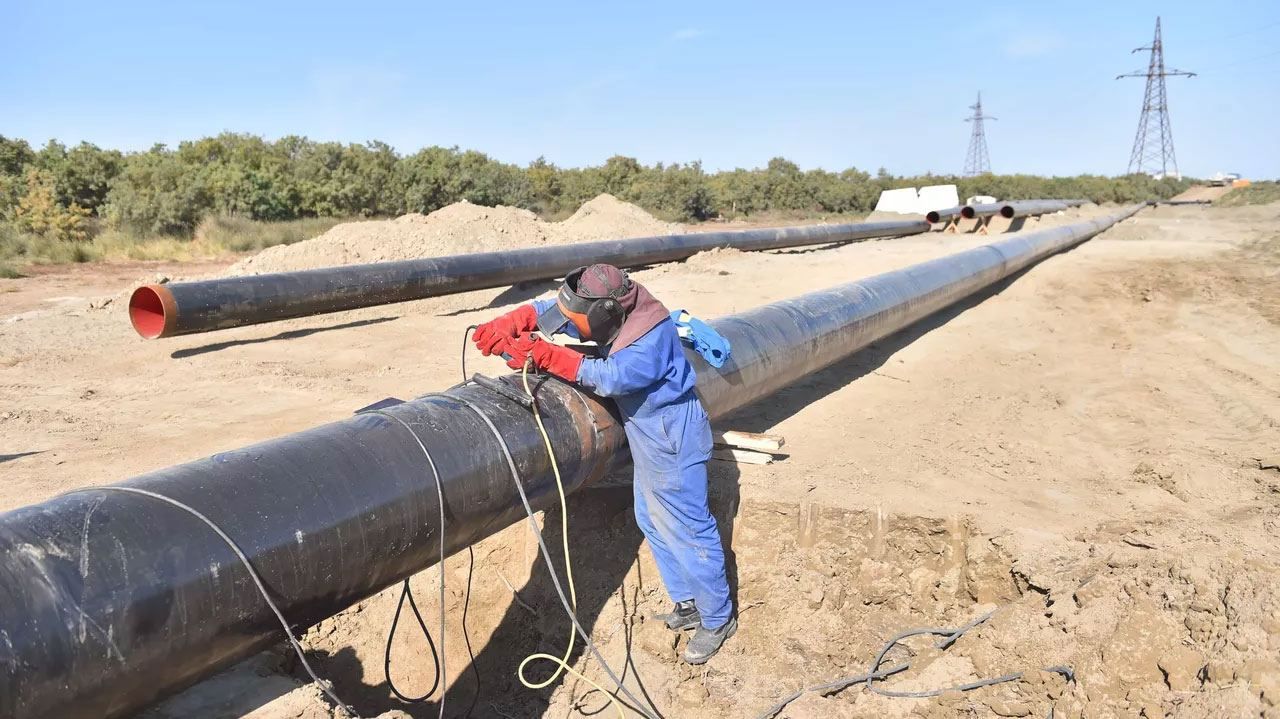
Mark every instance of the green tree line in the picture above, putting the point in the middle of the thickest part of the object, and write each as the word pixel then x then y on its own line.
pixel 69 193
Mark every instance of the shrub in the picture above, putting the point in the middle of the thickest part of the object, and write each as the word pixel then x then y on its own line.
pixel 39 213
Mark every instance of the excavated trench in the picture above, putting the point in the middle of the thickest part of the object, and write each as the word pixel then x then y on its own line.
pixel 819 591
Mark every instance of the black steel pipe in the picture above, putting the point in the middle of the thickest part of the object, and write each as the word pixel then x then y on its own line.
pixel 950 213
pixel 780 343
pixel 189 307
pixel 1031 208
pixel 109 602
pixel 970 212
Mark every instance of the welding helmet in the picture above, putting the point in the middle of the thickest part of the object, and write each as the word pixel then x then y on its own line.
pixel 596 318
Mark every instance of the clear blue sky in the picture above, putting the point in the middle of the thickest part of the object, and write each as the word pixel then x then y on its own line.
pixel 828 84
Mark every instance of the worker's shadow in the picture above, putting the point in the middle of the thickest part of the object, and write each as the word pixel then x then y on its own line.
pixel 605 541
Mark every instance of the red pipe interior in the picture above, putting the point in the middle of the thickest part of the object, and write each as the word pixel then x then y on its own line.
pixel 933 216
pixel 967 212
pixel 146 312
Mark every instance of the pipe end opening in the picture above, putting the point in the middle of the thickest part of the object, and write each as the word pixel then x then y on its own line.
pixel 933 216
pixel 1006 212
pixel 147 311
pixel 967 212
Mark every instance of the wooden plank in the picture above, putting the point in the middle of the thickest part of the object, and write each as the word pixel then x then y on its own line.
pixel 749 440
pixel 741 456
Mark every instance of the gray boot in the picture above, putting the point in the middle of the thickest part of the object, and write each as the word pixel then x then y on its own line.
pixel 706 642
pixel 684 615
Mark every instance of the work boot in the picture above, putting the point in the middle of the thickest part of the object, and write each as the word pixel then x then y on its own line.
pixel 706 642
pixel 684 615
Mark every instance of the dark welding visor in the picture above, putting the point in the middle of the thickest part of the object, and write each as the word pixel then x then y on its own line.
pixel 552 320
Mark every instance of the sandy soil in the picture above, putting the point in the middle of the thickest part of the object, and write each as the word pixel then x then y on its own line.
pixel 1202 192
pixel 1079 449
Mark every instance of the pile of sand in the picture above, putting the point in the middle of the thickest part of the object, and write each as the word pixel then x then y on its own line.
pixel 460 228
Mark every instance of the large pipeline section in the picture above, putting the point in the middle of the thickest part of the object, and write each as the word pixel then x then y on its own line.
pixel 189 307
pixel 1031 208
pixel 936 216
pixel 109 602
pixel 970 212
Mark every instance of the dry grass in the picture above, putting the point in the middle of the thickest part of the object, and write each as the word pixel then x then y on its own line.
pixel 1259 193
pixel 215 237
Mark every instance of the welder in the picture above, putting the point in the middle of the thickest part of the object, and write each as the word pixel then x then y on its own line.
pixel 642 367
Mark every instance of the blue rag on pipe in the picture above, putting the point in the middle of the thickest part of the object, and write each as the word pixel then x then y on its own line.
pixel 704 340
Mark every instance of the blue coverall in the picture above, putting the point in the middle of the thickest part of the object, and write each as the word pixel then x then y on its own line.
pixel 669 433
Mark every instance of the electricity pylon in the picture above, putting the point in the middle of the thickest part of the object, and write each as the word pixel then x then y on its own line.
pixel 977 162
pixel 1153 143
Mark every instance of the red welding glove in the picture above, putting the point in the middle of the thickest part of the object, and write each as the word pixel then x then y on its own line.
pixel 493 336
pixel 518 349
pixel 559 361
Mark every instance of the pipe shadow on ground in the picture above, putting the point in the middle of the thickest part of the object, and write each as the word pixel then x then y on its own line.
pixel 605 542
pixel 515 294
pixel 1016 225
pixel 19 455
pixel 809 249
pixel 603 524
pixel 289 335
pixel 763 415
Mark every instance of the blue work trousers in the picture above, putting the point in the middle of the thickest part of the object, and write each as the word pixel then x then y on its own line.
pixel 670 450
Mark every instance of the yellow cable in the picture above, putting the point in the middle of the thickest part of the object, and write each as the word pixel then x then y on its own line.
pixel 562 663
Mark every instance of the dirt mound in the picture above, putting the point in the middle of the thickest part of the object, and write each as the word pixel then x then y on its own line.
pixel 460 228
pixel 713 261
pixel 607 216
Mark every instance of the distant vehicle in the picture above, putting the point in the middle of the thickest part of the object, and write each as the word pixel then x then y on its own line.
pixel 1224 179
pixel 980 200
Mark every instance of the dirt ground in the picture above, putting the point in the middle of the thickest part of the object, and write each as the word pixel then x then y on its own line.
pixel 1082 450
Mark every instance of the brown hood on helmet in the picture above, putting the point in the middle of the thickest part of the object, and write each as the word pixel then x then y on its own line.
pixel 643 310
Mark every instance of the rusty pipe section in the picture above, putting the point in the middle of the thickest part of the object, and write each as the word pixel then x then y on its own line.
pixel 109 602
pixel 189 307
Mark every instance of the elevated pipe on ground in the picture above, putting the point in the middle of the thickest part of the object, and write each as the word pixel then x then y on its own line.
pixel 936 216
pixel 1031 208
pixel 970 212
pixel 188 307
pixel 110 602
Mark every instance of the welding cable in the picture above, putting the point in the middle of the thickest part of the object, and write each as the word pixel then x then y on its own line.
pixel 253 574
pixel 572 605
pixel 876 674
pixel 466 333
pixel 406 591
pixel 555 578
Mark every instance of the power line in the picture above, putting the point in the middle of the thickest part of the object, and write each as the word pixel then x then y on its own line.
pixel 1245 60
pixel 1153 143
pixel 977 161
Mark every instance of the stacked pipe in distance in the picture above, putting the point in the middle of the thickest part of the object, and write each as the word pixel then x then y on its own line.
pixel 970 212
pixel 110 602
pixel 189 307
pixel 936 216
pixel 1031 208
